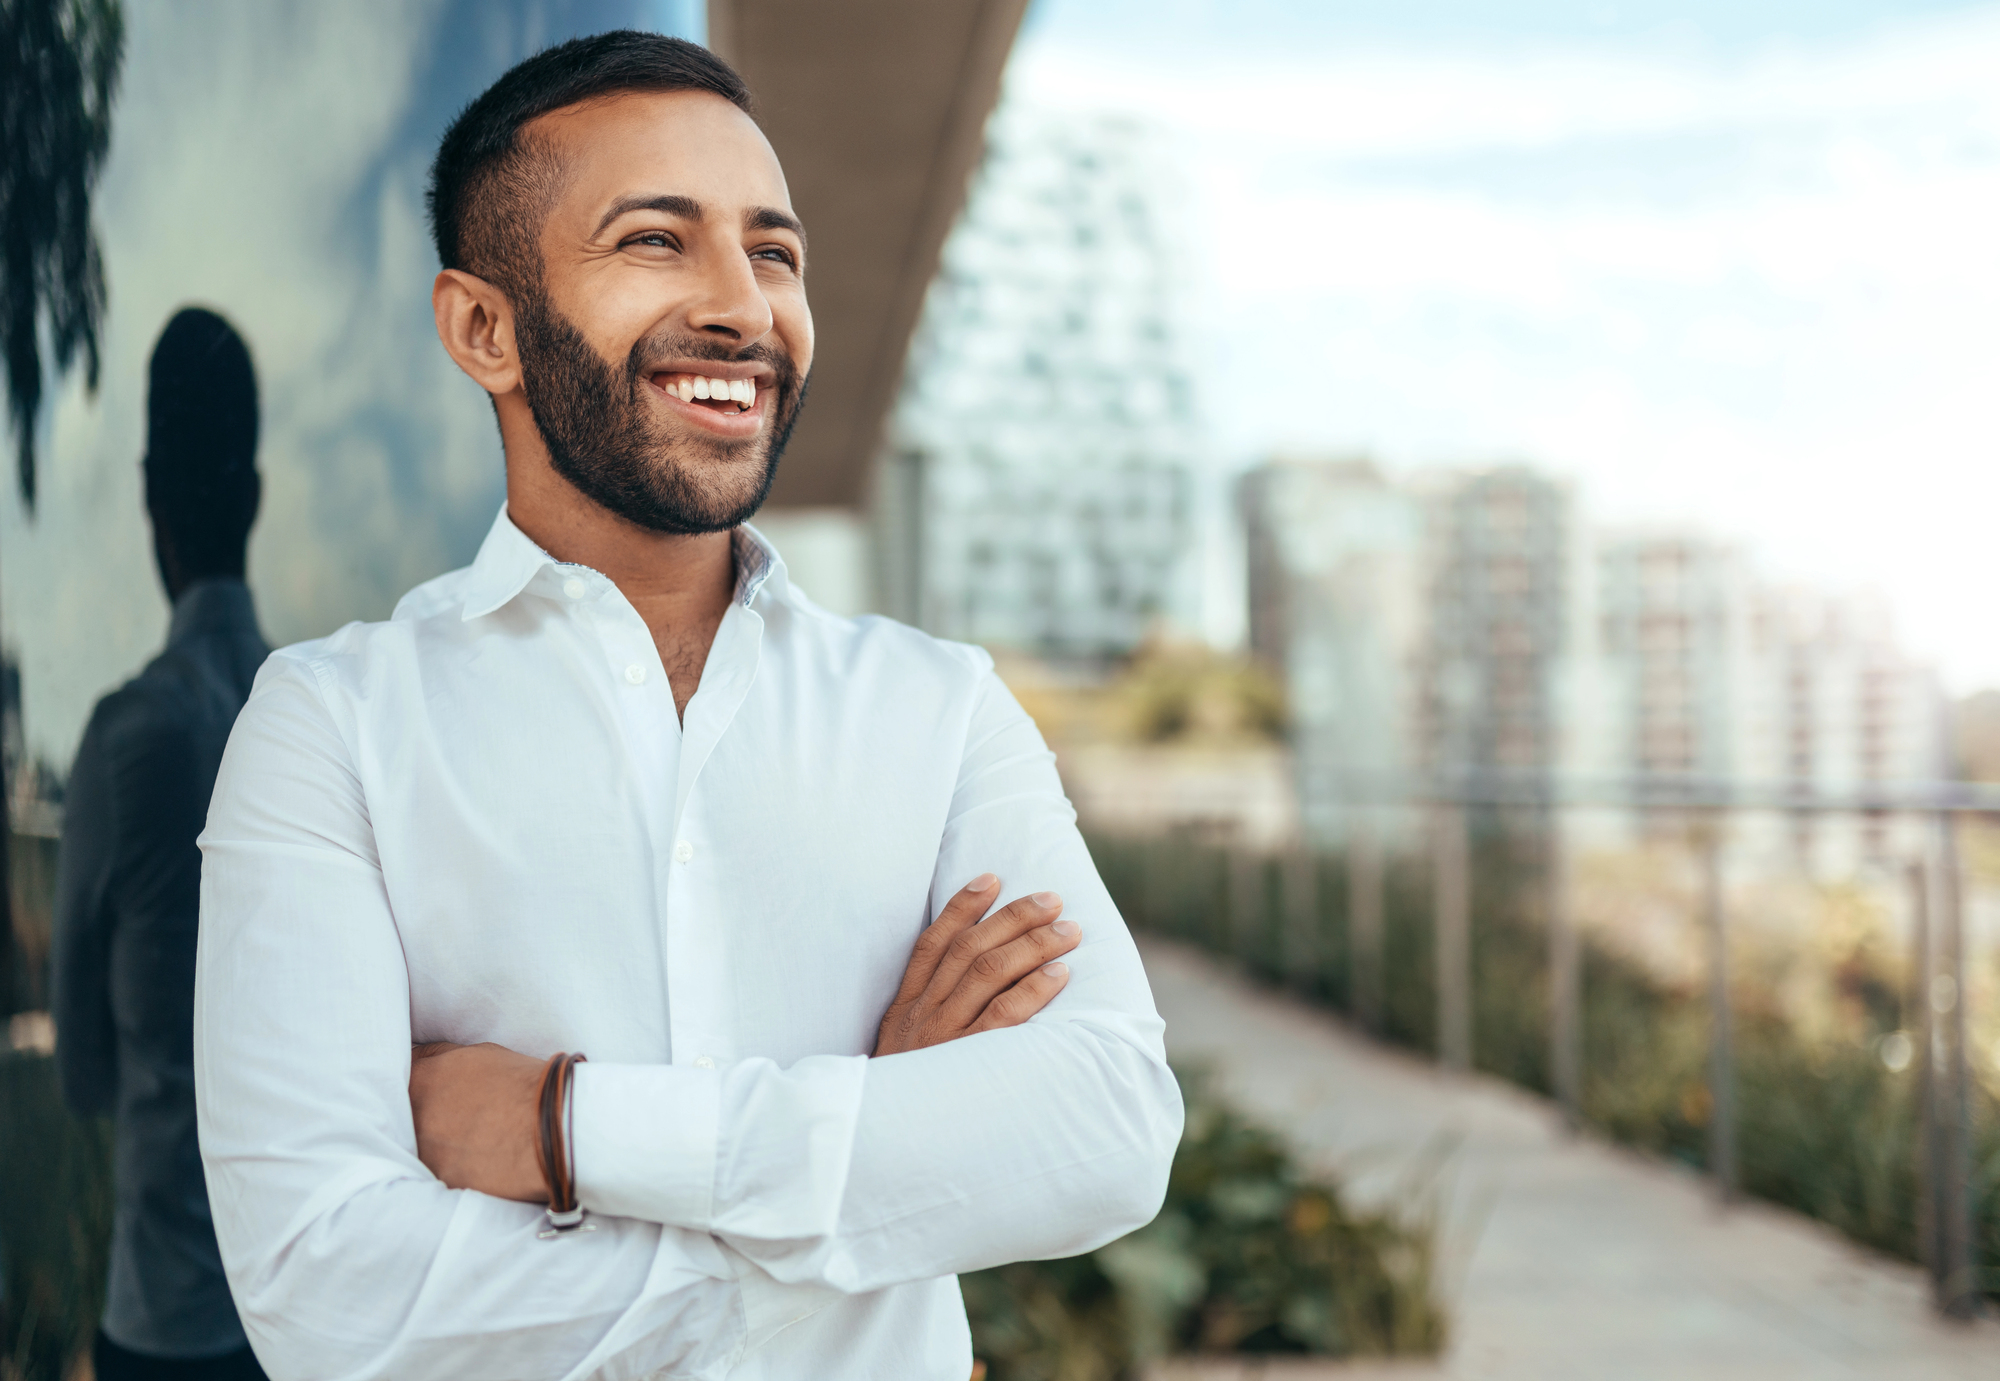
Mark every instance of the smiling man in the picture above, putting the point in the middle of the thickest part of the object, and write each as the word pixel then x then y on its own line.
pixel 859 1014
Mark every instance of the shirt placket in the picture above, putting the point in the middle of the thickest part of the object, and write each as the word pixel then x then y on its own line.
pixel 699 972
pixel 642 698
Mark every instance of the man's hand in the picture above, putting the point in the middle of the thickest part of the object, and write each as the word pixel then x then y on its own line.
pixel 966 975
pixel 478 1115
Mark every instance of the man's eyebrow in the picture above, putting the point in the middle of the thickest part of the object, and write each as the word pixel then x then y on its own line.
pixel 672 203
pixel 771 218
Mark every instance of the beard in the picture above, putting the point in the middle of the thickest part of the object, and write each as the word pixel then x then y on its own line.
pixel 604 437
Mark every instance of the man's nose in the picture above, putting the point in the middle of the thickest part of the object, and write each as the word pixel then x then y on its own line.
pixel 730 303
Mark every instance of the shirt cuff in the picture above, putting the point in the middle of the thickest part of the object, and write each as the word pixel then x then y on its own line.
pixel 645 1141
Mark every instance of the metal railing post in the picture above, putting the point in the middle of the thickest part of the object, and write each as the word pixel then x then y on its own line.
pixel 1565 975
pixel 1302 932
pixel 1452 898
pixel 1923 964
pixel 1957 1275
pixel 1246 918
pixel 1721 1039
pixel 1364 921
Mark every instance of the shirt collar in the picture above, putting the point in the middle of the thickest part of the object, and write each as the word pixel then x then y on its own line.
pixel 758 565
pixel 508 559
pixel 209 604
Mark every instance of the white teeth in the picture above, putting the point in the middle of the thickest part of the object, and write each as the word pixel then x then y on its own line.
pixel 688 387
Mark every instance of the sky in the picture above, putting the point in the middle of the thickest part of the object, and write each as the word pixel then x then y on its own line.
pixel 1733 267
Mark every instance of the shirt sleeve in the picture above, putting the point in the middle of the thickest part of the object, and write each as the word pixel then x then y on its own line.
pixel 345 1255
pixel 1043 1140
pixel 87 1037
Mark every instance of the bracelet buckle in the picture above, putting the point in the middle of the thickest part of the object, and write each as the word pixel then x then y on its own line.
pixel 563 1224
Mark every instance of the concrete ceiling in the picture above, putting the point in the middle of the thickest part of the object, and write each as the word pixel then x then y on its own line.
pixel 876 109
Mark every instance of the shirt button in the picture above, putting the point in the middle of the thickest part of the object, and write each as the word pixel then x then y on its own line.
pixel 684 852
pixel 575 588
pixel 703 1062
pixel 636 674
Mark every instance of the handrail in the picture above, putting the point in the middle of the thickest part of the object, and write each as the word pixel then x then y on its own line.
pixel 1488 786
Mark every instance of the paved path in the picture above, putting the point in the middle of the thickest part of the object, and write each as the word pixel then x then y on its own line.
pixel 1568 1258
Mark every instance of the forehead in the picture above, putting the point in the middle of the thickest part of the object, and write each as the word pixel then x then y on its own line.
pixel 686 143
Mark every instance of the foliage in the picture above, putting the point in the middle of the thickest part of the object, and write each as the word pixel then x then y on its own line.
pixel 1172 693
pixel 1823 1126
pixel 55 1223
pixel 1249 1254
pixel 59 62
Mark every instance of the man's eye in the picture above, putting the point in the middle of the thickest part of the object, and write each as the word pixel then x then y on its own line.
pixel 658 239
pixel 777 254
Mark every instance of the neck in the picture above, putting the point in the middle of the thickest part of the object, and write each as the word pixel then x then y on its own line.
pixel 680 585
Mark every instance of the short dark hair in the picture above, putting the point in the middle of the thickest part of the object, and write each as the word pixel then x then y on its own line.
pixel 201 442
pixel 489 191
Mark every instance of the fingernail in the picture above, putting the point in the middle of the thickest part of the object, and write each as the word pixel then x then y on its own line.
pixel 1067 929
pixel 1046 900
pixel 1055 968
pixel 983 883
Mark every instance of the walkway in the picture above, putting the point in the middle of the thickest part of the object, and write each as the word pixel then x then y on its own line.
pixel 1570 1260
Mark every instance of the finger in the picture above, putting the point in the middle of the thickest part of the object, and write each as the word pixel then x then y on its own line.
pixel 1024 999
pixel 1000 968
pixel 1010 922
pixel 966 906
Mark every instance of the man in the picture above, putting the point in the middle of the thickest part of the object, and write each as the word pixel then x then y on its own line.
pixel 129 878
pixel 617 788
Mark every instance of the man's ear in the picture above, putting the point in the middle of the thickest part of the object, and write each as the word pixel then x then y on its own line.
pixel 476 323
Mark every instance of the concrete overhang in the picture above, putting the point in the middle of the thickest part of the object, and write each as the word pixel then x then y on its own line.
pixel 877 110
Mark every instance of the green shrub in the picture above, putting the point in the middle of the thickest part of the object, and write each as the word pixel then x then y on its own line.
pixel 1249 1254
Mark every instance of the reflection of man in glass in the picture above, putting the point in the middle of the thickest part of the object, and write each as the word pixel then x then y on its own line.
pixel 129 883
pixel 618 788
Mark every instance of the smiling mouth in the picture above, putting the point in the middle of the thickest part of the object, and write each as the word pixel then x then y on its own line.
pixel 719 395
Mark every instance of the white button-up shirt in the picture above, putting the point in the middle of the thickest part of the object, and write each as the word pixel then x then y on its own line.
pixel 482 821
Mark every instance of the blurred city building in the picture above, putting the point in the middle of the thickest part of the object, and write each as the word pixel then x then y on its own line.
pixel 1845 706
pixel 1420 628
pixel 1500 600
pixel 1335 578
pixel 1035 490
pixel 1673 636
pixel 1466 624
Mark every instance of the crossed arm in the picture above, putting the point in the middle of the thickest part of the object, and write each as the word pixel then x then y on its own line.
pixel 475 1106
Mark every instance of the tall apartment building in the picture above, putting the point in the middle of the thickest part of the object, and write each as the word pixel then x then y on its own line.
pixel 1335 574
pixel 1500 600
pixel 1420 628
pixel 1706 672
pixel 1843 706
pixel 1675 675
pixel 1035 492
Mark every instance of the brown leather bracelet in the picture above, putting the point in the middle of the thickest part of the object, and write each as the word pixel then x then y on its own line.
pixel 555 1152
